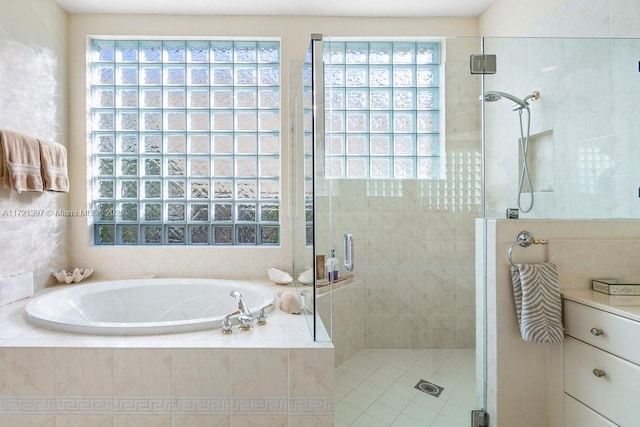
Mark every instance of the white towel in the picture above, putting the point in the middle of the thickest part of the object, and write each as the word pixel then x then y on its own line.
pixel 14 288
pixel 538 302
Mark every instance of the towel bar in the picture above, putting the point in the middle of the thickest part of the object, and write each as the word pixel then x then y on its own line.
pixel 525 239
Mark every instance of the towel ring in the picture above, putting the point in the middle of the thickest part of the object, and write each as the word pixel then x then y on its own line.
pixel 525 239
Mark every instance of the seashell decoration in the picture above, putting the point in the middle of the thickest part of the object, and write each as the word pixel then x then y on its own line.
pixel 279 277
pixel 306 277
pixel 289 302
pixel 75 276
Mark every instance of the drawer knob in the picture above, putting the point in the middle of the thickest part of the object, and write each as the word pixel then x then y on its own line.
pixel 599 373
pixel 597 332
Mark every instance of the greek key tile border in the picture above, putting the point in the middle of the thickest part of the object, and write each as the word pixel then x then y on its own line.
pixel 201 406
pixel 27 405
pixel 100 405
pixel 311 406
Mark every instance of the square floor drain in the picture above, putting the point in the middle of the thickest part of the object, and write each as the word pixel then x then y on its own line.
pixel 429 388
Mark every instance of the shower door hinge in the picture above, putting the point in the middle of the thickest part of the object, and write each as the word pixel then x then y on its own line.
pixel 482 64
pixel 479 418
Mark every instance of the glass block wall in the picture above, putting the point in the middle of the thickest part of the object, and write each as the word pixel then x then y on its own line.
pixel 383 110
pixel 382 114
pixel 185 142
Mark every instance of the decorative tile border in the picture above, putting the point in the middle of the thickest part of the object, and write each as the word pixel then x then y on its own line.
pixel 142 405
pixel 259 406
pixel 201 406
pixel 100 405
pixel 84 405
pixel 36 405
pixel 311 406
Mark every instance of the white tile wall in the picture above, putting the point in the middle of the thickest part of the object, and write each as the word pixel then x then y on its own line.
pixel 588 100
pixel 33 101
pixel 413 240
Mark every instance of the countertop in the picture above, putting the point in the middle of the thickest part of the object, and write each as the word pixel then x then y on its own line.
pixel 598 300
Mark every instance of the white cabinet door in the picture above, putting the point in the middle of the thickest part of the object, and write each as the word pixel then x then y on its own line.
pixel 614 393
pixel 578 415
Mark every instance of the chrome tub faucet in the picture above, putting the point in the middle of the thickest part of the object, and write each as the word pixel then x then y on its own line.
pixel 245 317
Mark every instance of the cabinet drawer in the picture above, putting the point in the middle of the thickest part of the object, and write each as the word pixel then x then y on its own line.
pixel 578 415
pixel 619 336
pixel 613 395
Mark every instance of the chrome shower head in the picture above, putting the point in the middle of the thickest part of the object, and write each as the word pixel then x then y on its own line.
pixel 493 96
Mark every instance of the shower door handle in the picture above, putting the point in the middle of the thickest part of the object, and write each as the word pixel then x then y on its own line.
pixel 348 251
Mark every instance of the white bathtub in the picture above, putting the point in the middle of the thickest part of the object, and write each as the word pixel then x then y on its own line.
pixel 144 306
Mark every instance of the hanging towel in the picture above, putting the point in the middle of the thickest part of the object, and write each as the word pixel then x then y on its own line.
pixel 538 302
pixel 20 159
pixel 53 157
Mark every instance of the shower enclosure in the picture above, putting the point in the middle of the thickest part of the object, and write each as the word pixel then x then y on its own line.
pixel 391 153
pixel 416 295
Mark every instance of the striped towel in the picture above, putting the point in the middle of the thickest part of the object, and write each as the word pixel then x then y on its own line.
pixel 538 302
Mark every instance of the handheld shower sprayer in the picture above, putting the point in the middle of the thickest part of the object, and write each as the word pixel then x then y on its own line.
pixel 520 104
pixel 493 96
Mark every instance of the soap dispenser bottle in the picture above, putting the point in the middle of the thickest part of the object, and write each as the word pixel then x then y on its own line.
pixel 332 266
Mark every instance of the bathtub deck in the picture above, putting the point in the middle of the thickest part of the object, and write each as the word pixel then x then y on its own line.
pixel 282 331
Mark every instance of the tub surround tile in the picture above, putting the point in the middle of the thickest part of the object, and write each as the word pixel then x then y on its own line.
pixel 254 373
pixel 142 421
pixel 314 420
pixel 173 379
pixel 27 372
pixel 311 373
pixel 140 372
pixel 260 421
pixel 84 372
pixel 201 421
pixel 27 420
pixel 85 421
pixel 200 372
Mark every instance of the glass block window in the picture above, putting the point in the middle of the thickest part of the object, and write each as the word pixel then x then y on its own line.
pixel 383 110
pixel 185 142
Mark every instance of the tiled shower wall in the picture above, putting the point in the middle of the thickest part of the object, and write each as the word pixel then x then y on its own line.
pixel 33 60
pixel 414 250
pixel 584 125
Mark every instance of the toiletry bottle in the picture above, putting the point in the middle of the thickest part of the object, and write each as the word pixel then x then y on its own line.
pixel 332 266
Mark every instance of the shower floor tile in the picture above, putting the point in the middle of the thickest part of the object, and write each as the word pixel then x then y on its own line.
pixel 376 388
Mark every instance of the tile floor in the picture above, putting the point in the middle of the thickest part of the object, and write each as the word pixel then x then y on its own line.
pixel 375 388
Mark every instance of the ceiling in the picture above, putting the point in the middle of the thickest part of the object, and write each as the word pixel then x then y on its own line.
pixel 374 8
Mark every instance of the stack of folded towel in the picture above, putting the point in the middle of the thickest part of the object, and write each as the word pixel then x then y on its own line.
pixel 28 164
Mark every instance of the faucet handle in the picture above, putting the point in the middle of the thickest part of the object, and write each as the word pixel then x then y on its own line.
pixel 225 326
pixel 262 315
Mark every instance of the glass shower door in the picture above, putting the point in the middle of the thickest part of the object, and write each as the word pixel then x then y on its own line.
pixel 399 168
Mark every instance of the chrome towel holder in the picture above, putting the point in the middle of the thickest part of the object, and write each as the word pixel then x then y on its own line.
pixel 525 239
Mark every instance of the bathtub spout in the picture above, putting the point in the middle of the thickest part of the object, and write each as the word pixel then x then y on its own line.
pixel 245 317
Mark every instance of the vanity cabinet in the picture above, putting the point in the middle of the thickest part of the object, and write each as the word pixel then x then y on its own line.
pixel 601 367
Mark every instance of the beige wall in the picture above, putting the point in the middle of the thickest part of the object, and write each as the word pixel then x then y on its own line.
pixel 294 34
pixel 33 101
